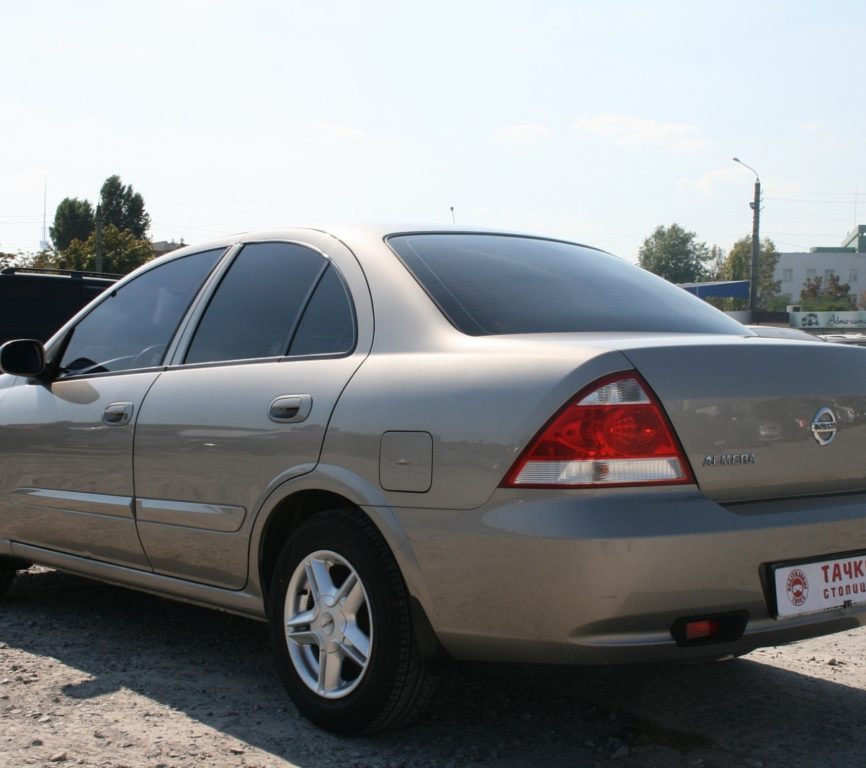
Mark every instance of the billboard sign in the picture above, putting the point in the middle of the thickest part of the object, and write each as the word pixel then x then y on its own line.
pixel 836 320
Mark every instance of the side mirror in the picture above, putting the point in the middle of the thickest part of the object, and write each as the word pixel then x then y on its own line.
pixel 23 357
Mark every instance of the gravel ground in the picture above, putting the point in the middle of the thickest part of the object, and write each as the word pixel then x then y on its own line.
pixel 94 675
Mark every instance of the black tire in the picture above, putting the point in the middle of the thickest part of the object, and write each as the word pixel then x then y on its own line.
pixel 373 677
pixel 7 576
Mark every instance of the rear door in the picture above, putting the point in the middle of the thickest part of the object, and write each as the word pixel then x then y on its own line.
pixel 244 409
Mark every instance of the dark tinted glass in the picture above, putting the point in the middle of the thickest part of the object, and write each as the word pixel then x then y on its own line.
pixel 328 324
pixel 133 327
pixel 255 310
pixel 493 284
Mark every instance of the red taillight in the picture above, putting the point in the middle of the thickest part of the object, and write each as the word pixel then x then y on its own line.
pixel 613 433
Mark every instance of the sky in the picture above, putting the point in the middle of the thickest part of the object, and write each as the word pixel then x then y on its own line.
pixel 595 121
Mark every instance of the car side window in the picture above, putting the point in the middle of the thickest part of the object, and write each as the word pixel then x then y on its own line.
pixel 257 306
pixel 133 327
pixel 328 324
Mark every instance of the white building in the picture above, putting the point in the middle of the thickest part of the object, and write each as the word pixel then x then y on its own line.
pixel 847 262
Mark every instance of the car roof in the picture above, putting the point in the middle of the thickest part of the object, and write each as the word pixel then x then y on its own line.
pixel 351 234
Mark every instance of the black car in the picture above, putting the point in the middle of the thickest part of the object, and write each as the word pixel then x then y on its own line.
pixel 34 303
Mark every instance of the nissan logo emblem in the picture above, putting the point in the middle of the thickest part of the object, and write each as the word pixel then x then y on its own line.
pixel 824 426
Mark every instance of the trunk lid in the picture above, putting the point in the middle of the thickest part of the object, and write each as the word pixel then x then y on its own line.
pixel 756 416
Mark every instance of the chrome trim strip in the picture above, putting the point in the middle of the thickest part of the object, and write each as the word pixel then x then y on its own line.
pixel 5 548
pixel 209 517
pixel 72 501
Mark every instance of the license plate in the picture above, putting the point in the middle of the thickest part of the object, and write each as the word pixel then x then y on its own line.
pixel 821 586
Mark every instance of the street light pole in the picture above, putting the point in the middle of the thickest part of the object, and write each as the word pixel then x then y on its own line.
pixel 97 246
pixel 755 205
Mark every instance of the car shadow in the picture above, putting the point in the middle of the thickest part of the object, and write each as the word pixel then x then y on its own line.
pixel 216 669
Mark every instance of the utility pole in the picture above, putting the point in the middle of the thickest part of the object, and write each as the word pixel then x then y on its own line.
pixel 43 243
pixel 756 247
pixel 755 205
pixel 97 246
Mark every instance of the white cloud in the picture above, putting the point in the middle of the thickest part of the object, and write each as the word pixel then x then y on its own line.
pixel 523 133
pixel 777 185
pixel 817 133
pixel 626 130
pixel 714 178
pixel 336 132
pixel 737 175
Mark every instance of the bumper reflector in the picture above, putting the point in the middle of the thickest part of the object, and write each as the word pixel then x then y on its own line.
pixel 698 630
pixel 704 630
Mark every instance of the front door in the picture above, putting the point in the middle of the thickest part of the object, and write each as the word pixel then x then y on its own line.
pixel 66 452
pixel 66 445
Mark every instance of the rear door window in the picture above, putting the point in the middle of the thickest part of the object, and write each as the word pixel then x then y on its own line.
pixel 258 305
pixel 328 323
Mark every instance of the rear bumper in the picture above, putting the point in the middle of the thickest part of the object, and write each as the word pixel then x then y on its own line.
pixel 600 577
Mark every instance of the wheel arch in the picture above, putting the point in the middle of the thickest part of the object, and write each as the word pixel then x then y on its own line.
pixel 289 513
pixel 327 487
pixel 330 488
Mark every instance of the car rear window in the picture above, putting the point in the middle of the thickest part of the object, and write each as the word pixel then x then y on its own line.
pixel 498 284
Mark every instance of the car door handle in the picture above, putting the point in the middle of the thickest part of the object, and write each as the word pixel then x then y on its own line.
pixel 290 409
pixel 117 414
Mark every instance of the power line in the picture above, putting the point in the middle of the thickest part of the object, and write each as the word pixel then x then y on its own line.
pixel 799 234
pixel 209 231
pixel 806 201
pixel 798 246
pixel 848 194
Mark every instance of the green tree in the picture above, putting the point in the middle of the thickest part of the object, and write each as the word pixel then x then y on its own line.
pixel 73 220
pixel 716 271
pixel 838 290
pixel 716 264
pixel 812 288
pixel 779 302
pixel 40 259
pixel 834 296
pixel 121 252
pixel 123 207
pixel 674 254
pixel 738 266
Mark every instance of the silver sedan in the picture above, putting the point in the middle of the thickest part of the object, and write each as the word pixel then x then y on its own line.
pixel 401 446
